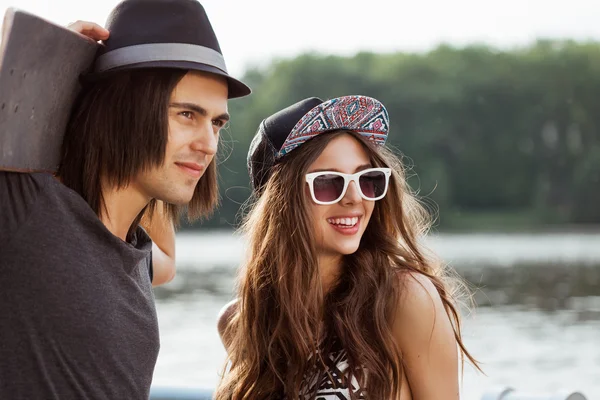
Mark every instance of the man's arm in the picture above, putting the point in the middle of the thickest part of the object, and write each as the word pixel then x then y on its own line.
pixel 225 317
pixel 162 233
pixel 89 29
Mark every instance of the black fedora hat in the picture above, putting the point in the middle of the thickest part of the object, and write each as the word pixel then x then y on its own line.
pixel 163 34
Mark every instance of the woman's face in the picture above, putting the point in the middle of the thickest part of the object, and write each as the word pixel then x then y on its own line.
pixel 340 226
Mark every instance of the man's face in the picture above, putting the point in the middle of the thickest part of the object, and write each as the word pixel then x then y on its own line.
pixel 197 112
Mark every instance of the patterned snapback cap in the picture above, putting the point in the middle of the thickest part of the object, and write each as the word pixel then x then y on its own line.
pixel 282 132
pixel 362 114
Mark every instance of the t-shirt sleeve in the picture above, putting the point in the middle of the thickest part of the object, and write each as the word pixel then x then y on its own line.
pixel 143 241
pixel 18 193
pixel 150 267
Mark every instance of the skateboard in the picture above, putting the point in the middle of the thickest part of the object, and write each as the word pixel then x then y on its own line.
pixel 40 67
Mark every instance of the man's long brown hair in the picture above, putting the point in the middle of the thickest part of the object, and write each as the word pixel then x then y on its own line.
pixel 285 326
pixel 118 128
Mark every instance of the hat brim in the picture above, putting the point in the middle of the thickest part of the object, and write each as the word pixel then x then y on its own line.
pixel 236 88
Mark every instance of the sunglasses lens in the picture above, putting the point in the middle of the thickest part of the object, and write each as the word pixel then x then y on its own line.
pixel 328 187
pixel 373 184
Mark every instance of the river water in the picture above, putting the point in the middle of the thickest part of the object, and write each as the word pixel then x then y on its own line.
pixel 536 326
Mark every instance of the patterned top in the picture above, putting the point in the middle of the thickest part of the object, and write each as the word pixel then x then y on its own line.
pixel 338 389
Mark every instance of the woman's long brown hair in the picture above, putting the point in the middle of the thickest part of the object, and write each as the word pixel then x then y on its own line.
pixel 285 322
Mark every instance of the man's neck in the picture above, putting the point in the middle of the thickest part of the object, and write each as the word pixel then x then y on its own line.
pixel 121 207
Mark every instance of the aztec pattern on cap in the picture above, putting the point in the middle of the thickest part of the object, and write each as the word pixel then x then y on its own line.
pixel 362 114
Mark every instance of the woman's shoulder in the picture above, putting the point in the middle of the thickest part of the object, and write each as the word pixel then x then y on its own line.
pixel 416 288
pixel 419 305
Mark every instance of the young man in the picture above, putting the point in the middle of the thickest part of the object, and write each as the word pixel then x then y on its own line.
pixel 77 315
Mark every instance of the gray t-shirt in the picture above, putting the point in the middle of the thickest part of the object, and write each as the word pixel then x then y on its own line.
pixel 77 313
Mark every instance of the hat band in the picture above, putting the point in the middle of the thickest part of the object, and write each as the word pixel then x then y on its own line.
pixel 160 52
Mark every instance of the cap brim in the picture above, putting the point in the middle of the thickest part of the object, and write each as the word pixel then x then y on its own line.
pixel 362 114
pixel 236 87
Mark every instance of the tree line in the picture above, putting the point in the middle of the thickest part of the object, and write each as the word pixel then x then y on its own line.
pixel 485 131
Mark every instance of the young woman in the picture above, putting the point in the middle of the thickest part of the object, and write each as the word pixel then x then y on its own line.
pixel 338 299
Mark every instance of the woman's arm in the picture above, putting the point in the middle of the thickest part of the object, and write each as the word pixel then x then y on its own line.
pixel 426 338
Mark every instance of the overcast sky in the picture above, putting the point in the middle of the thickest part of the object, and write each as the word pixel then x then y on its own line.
pixel 255 31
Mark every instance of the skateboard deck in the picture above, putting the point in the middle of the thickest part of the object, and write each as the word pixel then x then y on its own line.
pixel 40 66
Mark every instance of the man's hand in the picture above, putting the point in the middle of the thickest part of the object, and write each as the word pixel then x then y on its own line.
pixel 89 29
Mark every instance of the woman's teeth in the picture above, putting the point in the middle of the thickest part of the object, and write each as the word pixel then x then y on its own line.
pixel 343 221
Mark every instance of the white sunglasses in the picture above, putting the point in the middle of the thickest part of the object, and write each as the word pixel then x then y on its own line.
pixel 329 187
